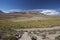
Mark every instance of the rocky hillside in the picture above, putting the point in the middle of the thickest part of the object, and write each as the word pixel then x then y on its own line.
pixel 19 14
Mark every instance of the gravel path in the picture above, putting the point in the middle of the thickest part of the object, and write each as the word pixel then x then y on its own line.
pixel 25 36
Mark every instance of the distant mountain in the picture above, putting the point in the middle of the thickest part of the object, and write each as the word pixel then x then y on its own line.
pixel 43 11
pixel 1 12
pixel 19 14
pixel 30 13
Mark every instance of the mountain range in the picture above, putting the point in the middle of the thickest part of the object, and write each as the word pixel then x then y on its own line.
pixel 43 11
pixel 9 15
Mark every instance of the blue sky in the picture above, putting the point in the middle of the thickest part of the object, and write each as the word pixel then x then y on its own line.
pixel 29 4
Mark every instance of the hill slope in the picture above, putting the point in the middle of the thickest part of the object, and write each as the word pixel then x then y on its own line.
pixel 19 14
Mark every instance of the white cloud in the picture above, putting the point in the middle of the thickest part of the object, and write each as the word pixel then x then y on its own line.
pixel 50 12
pixel 5 11
pixel 13 10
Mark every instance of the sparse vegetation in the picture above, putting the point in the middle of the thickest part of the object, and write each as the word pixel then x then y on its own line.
pixel 57 38
pixel 34 24
pixel 7 25
pixel 7 33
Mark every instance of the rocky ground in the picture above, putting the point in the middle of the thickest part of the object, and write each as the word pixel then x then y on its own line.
pixel 40 34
